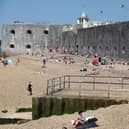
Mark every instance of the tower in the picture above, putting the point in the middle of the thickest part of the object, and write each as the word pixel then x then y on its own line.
pixel 83 20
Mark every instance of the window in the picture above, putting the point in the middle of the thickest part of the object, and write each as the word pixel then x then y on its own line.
pixel 12 46
pixel 29 32
pixel 45 32
pixel 12 31
pixel 94 47
pixel 100 47
pixel 123 48
pixel 115 48
pixel 88 47
pixel 106 48
pixel 28 46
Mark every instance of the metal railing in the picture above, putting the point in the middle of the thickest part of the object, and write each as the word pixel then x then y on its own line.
pixel 85 85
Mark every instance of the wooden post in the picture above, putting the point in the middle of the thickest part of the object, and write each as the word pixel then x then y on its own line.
pixel 80 91
pixel 60 82
pixel 68 81
pixel 64 82
pixel 108 91
pixel 47 87
pixel 122 80
pixel 93 83
pixel 52 87
pixel 54 84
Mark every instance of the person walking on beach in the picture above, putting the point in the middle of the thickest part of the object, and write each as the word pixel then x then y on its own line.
pixel 44 61
pixel 18 60
pixel 29 88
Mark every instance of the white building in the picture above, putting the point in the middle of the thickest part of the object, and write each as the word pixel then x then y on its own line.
pixel 83 22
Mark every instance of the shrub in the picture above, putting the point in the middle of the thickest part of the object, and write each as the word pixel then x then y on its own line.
pixel 5 111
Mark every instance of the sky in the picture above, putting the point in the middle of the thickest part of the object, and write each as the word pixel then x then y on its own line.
pixel 62 11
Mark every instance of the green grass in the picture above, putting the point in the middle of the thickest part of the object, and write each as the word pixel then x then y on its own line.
pixel 22 121
pixel 13 121
pixel 24 110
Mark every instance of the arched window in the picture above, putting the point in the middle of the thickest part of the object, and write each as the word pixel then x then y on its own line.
pixel 28 46
pixel 123 48
pixel 12 46
pixel 94 47
pixel 29 32
pixel 107 48
pixel 100 47
pixel 45 31
pixel 88 47
pixel 82 47
pixel 12 31
pixel 115 48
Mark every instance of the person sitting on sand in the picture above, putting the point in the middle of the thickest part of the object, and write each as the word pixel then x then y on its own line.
pixel 65 60
pixel 82 119
pixel 5 62
pixel 79 120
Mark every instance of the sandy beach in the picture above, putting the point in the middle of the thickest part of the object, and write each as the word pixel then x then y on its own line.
pixel 13 94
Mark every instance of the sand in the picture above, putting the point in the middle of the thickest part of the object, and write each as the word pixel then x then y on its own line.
pixel 13 94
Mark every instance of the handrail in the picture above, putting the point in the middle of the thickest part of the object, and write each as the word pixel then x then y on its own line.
pixel 58 83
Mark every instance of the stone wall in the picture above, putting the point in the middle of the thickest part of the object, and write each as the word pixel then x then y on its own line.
pixel 107 40
pixel 69 40
pixel 110 40
pixel 28 38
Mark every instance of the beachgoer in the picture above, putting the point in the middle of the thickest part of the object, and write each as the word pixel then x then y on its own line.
pixel 82 117
pixel 65 59
pixel 29 88
pixel 79 120
pixel 18 60
pixel 5 62
pixel 44 61
pixel 86 119
pixel 95 61
pixel 99 59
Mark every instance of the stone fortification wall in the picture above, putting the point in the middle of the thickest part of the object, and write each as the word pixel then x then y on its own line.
pixel 107 40
pixel 69 40
pixel 28 38
pixel 110 40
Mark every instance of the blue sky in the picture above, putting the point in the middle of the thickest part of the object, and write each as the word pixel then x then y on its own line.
pixel 62 11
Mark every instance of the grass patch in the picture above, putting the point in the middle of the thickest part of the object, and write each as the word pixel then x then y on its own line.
pixel 23 110
pixel 22 121
pixel 13 121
